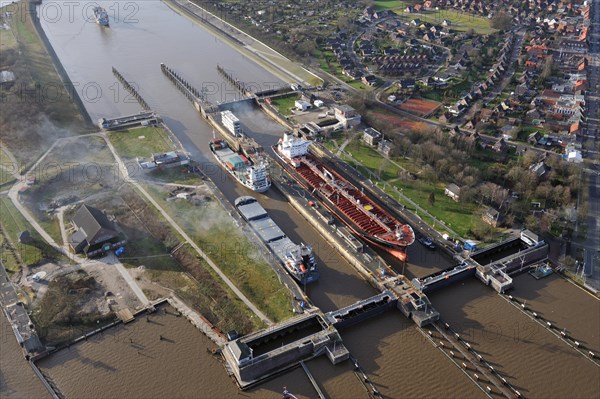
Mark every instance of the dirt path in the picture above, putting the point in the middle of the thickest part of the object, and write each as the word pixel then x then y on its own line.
pixel 13 194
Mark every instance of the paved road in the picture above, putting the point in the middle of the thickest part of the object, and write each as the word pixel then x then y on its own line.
pixel 589 140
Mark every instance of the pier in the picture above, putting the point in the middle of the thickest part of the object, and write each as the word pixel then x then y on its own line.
pixel 473 364
pixel 131 89
pixel 239 85
pixel 312 380
pixel 197 97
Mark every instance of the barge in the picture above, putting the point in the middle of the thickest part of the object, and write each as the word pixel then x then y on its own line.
pixel 298 260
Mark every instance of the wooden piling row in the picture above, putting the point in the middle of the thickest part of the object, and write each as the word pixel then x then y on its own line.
pixel 132 90
pixel 241 86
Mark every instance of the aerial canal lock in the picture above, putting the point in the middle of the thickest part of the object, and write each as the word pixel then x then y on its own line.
pixel 260 355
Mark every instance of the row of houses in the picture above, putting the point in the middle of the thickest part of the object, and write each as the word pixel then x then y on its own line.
pixel 397 65
pixel 348 63
pixel 480 88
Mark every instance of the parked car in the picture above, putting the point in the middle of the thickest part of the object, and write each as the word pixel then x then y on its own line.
pixel 428 242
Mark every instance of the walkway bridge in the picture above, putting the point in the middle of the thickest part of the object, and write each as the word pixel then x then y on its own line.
pixel 362 310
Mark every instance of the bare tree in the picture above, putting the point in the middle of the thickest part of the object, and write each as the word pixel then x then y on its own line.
pixel 431 198
pixel 501 21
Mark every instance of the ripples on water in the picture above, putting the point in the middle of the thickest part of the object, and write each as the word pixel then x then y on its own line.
pixel 531 358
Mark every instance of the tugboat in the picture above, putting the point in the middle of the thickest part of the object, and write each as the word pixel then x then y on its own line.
pixel 348 203
pixel 254 176
pixel 101 16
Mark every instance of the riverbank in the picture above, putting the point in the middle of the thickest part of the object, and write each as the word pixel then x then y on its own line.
pixel 265 56
pixel 37 109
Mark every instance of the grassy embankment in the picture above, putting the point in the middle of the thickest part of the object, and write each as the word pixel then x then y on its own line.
pixel 15 253
pixel 211 227
pixel 32 119
pixel 217 234
pixel 284 104
pixel 460 21
pixel 460 217
pixel 6 169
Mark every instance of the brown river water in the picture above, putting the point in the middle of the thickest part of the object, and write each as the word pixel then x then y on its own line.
pixel 131 362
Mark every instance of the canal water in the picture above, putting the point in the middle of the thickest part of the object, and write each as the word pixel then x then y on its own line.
pixel 398 359
pixel 17 379
pixel 536 362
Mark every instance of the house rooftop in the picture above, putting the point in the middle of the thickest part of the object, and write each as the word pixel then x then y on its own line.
pixel 92 226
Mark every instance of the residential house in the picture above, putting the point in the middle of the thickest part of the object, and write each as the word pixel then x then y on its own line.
pixel 372 136
pixel 369 80
pixel 534 137
pixel 453 191
pixel 406 83
pixel 500 146
pixel 492 217
pixel 94 234
pixel 485 114
pixel 539 169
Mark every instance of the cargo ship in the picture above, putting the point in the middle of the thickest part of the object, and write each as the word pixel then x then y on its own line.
pixel 251 175
pixel 101 16
pixel 297 259
pixel 361 214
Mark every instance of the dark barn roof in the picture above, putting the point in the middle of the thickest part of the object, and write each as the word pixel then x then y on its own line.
pixel 93 227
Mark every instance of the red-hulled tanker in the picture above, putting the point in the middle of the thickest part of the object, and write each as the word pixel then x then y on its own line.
pixel 351 205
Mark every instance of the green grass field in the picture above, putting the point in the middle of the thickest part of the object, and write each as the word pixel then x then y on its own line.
pixel 231 251
pixel 459 21
pixel 140 142
pixel 372 160
pixel 29 253
pixel 285 103
pixel 460 217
